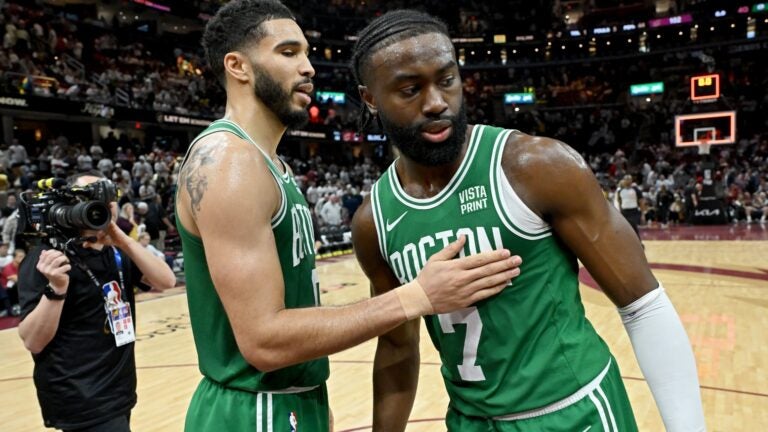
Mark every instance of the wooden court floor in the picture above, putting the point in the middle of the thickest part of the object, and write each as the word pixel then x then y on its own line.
pixel 720 289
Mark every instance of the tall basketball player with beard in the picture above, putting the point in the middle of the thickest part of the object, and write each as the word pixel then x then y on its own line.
pixel 260 333
pixel 526 359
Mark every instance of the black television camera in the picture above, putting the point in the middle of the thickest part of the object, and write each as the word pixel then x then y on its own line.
pixel 58 212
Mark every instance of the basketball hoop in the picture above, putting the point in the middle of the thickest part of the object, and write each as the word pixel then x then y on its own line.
pixel 703 147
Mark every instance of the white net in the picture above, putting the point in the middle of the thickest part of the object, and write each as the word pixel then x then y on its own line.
pixel 704 147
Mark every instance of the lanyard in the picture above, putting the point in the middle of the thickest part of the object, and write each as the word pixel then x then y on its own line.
pixel 118 261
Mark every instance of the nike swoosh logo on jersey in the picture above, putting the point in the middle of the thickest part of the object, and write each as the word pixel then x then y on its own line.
pixel 391 226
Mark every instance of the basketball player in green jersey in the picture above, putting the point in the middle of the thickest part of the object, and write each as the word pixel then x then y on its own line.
pixel 252 289
pixel 526 359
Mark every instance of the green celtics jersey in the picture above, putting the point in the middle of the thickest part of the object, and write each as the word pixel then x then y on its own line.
pixel 218 354
pixel 530 345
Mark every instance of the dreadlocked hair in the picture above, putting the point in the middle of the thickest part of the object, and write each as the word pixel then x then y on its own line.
pixel 236 24
pixel 390 28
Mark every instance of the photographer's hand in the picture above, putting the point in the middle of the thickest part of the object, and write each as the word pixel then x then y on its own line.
pixel 54 265
pixel 112 235
pixel 39 327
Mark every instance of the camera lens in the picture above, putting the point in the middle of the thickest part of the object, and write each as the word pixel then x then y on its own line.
pixel 96 215
pixel 85 215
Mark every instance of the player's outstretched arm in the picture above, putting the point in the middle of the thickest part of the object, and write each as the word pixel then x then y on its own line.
pixel 396 364
pixel 234 197
pixel 573 203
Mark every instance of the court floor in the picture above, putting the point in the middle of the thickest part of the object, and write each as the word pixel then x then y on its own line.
pixel 716 277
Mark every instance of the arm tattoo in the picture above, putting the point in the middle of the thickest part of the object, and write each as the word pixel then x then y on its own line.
pixel 195 179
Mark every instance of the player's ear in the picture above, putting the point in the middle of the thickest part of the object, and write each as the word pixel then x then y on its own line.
pixel 367 98
pixel 237 66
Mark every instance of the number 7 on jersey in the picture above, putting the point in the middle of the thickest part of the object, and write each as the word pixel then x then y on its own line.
pixel 468 370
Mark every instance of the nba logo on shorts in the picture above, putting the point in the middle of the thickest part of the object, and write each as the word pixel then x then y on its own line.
pixel 293 422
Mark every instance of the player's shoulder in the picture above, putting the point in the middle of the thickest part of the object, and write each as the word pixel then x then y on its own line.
pixel 222 141
pixel 538 155
pixel 224 151
pixel 544 171
pixel 363 218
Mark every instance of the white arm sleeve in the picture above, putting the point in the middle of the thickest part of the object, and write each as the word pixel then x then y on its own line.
pixel 665 356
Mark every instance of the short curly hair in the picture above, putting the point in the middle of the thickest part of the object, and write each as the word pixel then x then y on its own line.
pixel 236 24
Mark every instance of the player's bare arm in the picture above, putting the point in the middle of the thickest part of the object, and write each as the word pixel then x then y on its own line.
pixel 396 364
pixel 570 199
pixel 193 178
pixel 234 220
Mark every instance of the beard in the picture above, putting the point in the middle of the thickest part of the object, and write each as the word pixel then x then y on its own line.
pixel 271 93
pixel 409 141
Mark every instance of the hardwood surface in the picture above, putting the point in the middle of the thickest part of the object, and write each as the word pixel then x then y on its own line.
pixel 720 289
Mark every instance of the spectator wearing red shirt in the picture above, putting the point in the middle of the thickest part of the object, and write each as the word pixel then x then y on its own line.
pixel 8 279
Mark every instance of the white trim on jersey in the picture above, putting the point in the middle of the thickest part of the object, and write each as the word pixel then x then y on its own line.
pixel 453 184
pixel 278 217
pixel 498 201
pixel 520 214
pixel 281 211
pixel 562 403
pixel 378 223
pixel 291 390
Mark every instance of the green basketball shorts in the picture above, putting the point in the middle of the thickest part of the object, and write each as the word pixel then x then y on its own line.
pixel 602 407
pixel 218 408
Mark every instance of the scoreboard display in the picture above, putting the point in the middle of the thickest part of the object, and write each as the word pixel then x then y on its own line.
pixel 705 87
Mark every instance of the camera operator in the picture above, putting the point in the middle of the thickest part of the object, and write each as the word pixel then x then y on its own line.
pixel 85 372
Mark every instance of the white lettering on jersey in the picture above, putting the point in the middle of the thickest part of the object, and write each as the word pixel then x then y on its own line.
pixel 407 262
pixel 303 241
pixel 473 199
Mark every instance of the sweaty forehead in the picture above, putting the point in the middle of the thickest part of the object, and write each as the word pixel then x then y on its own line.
pixel 416 53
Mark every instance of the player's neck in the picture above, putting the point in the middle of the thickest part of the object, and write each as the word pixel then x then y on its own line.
pixel 258 121
pixel 430 179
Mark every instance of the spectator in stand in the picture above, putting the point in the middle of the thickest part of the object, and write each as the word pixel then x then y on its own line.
pixel 162 169
pixel 677 210
pixel 142 169
pixel 84 162
pixel 9 277
pixel 10 205
pixel 758 208
pixel 17 153
pixel 127 222
pixel 5 256
pixel 664 200
pixel 106 166
pixel 692 200
pixel 156 221
pixel 144 240
pixel 147 189
pixel 331 212
pixel 9 229
pixel 96 152
pixel 5 302
pixel 351 200
pixel 628 202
